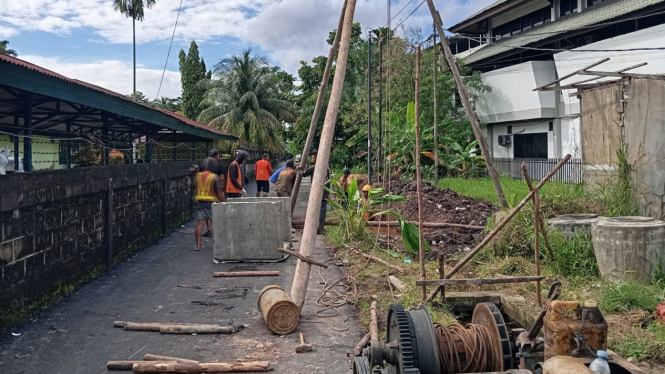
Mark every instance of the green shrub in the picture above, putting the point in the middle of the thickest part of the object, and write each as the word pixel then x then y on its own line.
pixel 618 195
pixel 573 258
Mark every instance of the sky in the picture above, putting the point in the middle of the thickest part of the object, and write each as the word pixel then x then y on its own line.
pixel 88 40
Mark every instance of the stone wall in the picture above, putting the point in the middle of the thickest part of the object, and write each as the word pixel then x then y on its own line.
pixel 54 225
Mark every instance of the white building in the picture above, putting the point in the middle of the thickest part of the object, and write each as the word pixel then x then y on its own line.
pixel 523 44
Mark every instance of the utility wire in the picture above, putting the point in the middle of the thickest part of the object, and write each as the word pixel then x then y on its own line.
pixel 407 4
pixel 410 14
pixel 169 53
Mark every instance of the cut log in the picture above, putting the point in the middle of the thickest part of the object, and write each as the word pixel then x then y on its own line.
pixel 268 273
pixel 374 322
pixel 125 365
pixel 358 350
pixel 150 357
pixel 401 286
pixel 303 258
pixel 148 326
pixel 198 329
pixel 203 367
pixel 279 312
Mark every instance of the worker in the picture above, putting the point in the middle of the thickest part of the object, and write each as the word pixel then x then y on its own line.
pixel 208 187
pixel 285 181
pixel 369 213
pixel 235 185
pixel 344 185
pixel 324 201
pixel 262 170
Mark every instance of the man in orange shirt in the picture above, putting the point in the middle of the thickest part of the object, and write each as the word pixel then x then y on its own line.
pixel 263 171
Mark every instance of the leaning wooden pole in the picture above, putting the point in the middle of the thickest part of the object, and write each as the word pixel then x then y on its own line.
pixel 419 178
pixel 317 109
pixel 536 227
pixel 464 96
pixel 301 277
pixel 540 220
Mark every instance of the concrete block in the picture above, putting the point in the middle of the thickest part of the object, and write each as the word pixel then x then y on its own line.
pixel 251 229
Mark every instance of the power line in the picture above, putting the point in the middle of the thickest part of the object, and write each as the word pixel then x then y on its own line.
pixel 407 4
pixel 169 53
pixel 410 14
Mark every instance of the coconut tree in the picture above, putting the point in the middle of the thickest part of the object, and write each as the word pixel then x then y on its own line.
pixel 133 9
pixel 243 99
pixel 6 51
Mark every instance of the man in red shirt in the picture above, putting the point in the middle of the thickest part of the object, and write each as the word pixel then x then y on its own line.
pixel 263 171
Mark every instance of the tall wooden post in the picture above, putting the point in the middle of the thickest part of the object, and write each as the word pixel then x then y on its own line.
pixel 379 151
pixel 419 179
pixel 317 108
pixel 369 108
pixel 464 95
pixel 436 114
pixel 301 277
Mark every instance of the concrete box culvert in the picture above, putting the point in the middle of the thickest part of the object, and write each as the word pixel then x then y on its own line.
pixel 251 229
pixel 628 247
pixel 571 224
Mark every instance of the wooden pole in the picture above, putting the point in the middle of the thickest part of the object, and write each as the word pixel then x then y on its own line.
pixel 369 108
pixel 268 273
pixel 429 225
pixel 464 96
pixel 361 344
pixel 436 118
pixel 478 281
pixel 203 367
pixel 151 357
pixel 302 258
pixel 536 239
pixel 539 217
pixel 203 329
pixel 510 216
pixel 374 322
pixel 380 261
pixel 421 244
pixel 317 109
pixel 442 273
pixel 301 277
pixel 126 365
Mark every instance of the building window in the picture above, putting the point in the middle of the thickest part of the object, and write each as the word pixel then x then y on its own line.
pixel 75 146
pixel 525 22
pixel 567 7
pixel 593 2
pixel 530 145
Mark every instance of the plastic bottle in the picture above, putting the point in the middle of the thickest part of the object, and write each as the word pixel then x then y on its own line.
pixel 407 261
pixel 600 365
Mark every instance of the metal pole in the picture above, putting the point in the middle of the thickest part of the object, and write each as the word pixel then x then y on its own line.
pixel 436 116
pixel 369 108
pixel 317 108
pixel 421 244
pixel 482 142
pixel 105 133
pixel 193 151
pixel 17 158
pixel 175 150
pixel 109 226
pixel 299 286
pixel 379 150
pixel 27 140
pixel 69 148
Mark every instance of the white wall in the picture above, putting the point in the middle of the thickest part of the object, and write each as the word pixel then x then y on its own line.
pixel 568 62
pixel 512 97
pixel 530 128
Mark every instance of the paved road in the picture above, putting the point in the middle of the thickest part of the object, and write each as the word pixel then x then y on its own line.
pixel 76 336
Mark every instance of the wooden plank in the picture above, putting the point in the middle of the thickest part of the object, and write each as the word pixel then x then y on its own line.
pixel 269 273
pixel 476 281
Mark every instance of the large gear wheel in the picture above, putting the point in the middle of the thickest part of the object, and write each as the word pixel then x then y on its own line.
pixel 412 334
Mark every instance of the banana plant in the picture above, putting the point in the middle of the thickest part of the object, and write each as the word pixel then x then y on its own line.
pixel 353 210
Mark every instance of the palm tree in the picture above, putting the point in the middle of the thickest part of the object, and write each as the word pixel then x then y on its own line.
pixel 133 9
pixel 242 99
pixel 6 51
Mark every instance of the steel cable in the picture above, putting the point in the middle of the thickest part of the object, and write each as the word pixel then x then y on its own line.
pixel 465 349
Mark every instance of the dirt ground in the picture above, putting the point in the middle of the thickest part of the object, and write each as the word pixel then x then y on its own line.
pixel 443 205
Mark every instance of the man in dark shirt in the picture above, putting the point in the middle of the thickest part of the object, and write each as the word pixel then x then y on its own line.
pixel 235 185
pixel 324 201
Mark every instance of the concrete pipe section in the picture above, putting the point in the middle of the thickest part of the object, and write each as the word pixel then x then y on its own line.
pixel 570 224
pixel 628 247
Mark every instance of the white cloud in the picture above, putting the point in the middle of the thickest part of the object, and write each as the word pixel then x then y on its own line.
pixel 113 75
pixel 289 30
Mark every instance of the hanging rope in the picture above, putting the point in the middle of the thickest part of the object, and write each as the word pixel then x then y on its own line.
pixel 465 349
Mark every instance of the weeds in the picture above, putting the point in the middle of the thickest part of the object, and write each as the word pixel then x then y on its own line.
pixel 628 295
pixel 643 344
pixel 618 195
pixel 573 258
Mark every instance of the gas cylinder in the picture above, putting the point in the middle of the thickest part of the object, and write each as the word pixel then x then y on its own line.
pixel 560 331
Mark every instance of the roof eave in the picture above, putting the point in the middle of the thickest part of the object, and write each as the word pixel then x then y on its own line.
pixel 467 26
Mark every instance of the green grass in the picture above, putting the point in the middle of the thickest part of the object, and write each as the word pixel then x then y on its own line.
pixel 643 344
pixel 573 258
pixel 628 295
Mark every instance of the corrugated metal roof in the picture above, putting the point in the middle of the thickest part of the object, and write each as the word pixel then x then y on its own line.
pixel 604 11
pixel 39 69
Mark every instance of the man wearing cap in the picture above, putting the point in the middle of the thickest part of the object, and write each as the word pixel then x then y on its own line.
pixel 285 181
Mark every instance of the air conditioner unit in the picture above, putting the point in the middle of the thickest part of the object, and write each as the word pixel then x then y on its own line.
pixel 504 140
pixel 587 39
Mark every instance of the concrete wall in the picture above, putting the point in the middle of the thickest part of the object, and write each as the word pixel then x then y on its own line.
pixel 512 97
pixel 643 129
pixel 53 224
